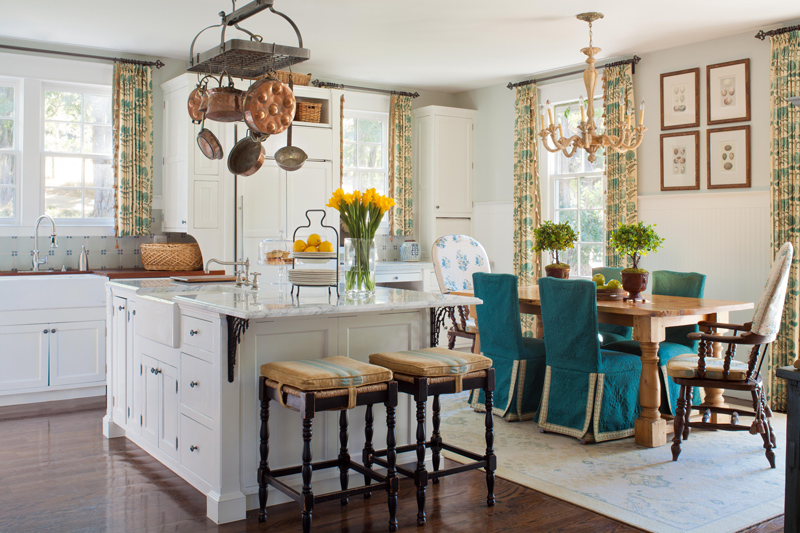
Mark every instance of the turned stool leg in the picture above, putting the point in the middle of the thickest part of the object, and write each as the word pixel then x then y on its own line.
pixel 263 466
pixel 366 456
pixel 436 438
pixel 391 460
pixel 686 417
pixel 489 457
pixel 344 455
pixel 420 474
pixel 308 495
pixel 680 413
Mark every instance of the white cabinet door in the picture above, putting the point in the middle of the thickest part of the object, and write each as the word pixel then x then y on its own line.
pixel 262 198
pixel 131 368
pixel 23 357
pixel 176 161
pixel 453 166
pixel 150 391
pixel 119 366
pixel 77 352
pixel 205 204
pixel 309 188
pixel 168 410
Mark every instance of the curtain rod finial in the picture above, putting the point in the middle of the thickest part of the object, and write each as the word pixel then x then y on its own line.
pixel 158 64
pixel 761 35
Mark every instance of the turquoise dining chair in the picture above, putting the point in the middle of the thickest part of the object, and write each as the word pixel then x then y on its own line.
pixel 610 332
pixel 590 393
pixel 518 361
pixel 676 342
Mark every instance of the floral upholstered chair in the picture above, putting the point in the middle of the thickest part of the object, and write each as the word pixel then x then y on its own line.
pixel 455 259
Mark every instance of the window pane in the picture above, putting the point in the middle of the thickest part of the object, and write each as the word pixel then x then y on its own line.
pixel 592 193
pixel 99 203
pixel 62 106
pixel 99 173
pixel 97 140
pixel 6 101
pixel 7 172
pixel 6 202
pixel 349 126
pixel 369 131
pixel 6 133
pixel 63 171
pixel 591 226
pixel 568 216
pixel 97 109
pixel 349 154
pixel 591 256
pixel 374 180
pixel 62 137
pixel 598 164
pixel 566 194
pixel 63 203
pixel 349 181
pixel 569 257
pixel 369 156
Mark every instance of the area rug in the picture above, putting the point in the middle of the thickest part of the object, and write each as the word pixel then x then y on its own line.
pixel 721 482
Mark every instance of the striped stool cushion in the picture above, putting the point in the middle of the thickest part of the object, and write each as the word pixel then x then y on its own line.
pixel 685 366
pixel 431 362
pixel 322 374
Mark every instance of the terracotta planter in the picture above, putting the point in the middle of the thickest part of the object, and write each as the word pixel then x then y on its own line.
pixel 555 272
pixel 634 283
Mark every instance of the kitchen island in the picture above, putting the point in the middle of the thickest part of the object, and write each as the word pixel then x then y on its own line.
pixel 183 367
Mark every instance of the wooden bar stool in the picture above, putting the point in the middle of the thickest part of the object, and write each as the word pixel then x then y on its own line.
pixel 330 384
pixel 432 372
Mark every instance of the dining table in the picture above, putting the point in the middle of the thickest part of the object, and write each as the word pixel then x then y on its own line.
pixel 648 320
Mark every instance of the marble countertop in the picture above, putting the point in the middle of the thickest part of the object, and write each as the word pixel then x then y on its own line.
pixel 269 302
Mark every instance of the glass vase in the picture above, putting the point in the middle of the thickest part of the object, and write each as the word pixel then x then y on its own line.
pixel 360 258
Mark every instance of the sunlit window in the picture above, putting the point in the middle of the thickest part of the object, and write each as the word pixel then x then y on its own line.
pixel 10 143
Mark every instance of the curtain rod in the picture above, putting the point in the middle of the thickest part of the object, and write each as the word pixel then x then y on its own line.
pixel 157 63
pixel 632 61
pixel 764 34
pixel 330 85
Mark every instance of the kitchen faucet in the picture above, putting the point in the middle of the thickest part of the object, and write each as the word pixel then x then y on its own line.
pixel 239 280
pixel 53 241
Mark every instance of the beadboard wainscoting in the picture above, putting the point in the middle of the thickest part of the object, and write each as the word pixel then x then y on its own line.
pixel 493 224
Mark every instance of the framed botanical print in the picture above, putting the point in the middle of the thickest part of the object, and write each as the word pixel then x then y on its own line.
pixel 680 161
pixel 728 92
pixel 680 99
pixel 728 157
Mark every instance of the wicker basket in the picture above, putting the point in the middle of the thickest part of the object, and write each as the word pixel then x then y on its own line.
pixel 297 78
pixel 309 112
pixel 177 257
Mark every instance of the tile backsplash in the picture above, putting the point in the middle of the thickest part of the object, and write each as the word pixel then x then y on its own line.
pixel 388 250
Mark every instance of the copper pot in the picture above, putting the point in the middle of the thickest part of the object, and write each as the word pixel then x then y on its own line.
pixel 247 155
pixel 195 104
pixel 269 106
pixel 224 103
pixel 208 143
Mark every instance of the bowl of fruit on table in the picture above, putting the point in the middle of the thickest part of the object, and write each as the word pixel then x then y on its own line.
pixel 313 250
pixel 610 291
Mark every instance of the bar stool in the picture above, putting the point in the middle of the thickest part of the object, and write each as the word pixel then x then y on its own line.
pixel 432 372
pixel 329 384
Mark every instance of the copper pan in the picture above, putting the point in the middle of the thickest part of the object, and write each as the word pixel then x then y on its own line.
pixel 208 143
pixel 224 103
pixel 268 106
pixel 247 155
pixel 195 104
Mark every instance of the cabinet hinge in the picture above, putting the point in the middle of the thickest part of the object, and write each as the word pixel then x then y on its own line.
pixel 141 420
pixel 129 316
pixel 129 412
pixel 113 400
pixel 176 443
pixel 176 387
pixel 141 369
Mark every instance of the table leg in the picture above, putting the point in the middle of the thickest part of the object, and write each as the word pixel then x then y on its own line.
pixel 473 313
pixel 713 397
pixel 650 428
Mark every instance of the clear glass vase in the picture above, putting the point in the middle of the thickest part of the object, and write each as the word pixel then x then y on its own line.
pixel 360 258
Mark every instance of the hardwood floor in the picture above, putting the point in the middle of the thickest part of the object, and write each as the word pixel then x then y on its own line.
pixel 59 473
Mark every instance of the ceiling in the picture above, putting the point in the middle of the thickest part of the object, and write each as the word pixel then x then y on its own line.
pixel 446 45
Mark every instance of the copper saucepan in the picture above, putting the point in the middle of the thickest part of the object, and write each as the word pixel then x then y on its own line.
pixel 268 106
pixel 224 103
pixel 195 104
pixel 208 143
pixel 247 155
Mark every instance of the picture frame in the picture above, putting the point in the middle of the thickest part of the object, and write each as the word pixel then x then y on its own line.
pixel 680 161
pixel 728 157
pixel 680 99
pixel 728 92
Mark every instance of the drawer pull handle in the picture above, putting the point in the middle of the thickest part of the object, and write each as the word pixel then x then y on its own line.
pixel 155 371
pixel 194 384
pixel 193 448
pixel 193 332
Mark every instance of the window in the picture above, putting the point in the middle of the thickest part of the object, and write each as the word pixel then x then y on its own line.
pixel 9 148
pixel 77 154
pixel 366 151
pixel 577 186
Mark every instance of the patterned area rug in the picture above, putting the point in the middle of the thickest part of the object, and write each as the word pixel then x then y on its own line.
pixel 721 482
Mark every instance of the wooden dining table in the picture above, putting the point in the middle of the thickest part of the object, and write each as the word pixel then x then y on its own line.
pixel 648 320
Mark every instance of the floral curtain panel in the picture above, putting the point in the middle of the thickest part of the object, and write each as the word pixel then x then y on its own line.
pixel 785 184
pixel 132 96
pixel 401 222
pixel 621 169
pixel 527 196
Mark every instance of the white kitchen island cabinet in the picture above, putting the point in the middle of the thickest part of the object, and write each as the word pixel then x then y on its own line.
pixel 198 414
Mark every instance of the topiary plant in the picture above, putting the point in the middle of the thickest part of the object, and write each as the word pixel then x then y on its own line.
pixel 554 238
pixel 635 241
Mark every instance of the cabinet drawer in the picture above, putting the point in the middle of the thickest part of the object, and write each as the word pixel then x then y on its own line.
pixel 197 332
pixel 197 385
pixel 197 449
pixel 390 277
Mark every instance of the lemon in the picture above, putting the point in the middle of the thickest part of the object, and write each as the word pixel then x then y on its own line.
pixel 325 246
pixel 299 245
pixel 314 240
pixel 311 249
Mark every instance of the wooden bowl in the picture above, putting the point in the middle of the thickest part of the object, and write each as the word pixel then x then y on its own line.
pixel 610 295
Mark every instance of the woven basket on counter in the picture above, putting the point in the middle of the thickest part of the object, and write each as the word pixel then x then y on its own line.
pixel 177 256
pixel 297 79
pixel 309 112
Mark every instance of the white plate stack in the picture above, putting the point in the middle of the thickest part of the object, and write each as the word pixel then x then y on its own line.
pixel 313 277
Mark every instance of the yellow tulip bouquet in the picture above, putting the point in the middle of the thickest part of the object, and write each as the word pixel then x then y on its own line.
pixel 362 214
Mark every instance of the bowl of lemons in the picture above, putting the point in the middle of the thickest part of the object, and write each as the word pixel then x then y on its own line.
pixel 313 249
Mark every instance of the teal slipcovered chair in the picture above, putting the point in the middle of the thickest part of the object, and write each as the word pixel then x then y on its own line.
pixel 589 393
pixel 610 332
pixel 518 361
pixel 668 283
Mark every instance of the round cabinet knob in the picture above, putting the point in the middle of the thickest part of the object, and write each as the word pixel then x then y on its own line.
pixel 396 278
pixel 194 384
pixel 183 222
pixel 437 207
pixel 193 332
pixel 52 330
pixel 193 448
pixel 45 331
pixel 155 371
pixel 120 308
pixel 134 312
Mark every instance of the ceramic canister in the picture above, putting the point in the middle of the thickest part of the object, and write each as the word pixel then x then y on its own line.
pixel 409 251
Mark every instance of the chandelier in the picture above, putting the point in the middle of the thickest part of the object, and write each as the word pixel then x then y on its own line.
pixel 590 138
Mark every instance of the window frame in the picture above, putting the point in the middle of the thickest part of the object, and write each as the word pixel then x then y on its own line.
pixel 83 89
pixel 16 149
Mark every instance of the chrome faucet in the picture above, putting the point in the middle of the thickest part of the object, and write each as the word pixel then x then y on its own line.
pixel 239 280
pixel 53 241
